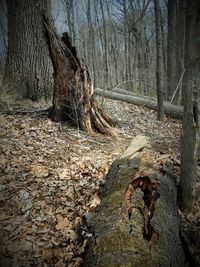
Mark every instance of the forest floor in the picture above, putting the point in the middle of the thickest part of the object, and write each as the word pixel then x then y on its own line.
pixel 51 173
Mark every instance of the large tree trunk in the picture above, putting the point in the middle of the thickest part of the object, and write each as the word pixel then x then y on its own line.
pixel 29 70
pixel 137 222
pixel 73 94
pixel 191 120
pixel 170 109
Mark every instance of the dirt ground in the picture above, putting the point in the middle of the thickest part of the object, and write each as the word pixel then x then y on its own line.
pixel 50 174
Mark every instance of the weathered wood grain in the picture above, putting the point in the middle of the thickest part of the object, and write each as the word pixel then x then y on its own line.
pixel 117 240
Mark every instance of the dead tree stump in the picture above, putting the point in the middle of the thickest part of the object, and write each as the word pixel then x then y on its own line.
pixel 137 222
pixel 73 90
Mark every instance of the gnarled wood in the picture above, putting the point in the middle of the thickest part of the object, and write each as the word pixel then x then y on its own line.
pixel 73 93
pixel 137 222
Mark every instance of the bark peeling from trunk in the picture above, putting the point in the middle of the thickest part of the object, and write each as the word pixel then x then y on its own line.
pixel 73 93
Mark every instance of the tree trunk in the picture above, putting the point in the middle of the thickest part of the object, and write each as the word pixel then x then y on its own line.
pixel 164 56
pixel 70 19
pixel 113 47
pixel 171 51
pixel 191 119
pixel 170 109
pixel 29 70
pixel 180 48
pixel 105 44
pixel 136 223
pixel 91 44
pixel 159 59
pixel 73 94
pixel 126 41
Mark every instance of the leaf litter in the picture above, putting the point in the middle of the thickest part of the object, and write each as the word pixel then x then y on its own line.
pixel 51 174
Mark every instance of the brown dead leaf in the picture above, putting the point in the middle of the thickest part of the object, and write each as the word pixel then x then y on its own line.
pixel 62 222
pixel 39 171
pixel 95 201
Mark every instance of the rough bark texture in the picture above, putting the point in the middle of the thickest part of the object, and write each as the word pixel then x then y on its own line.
pixel 170 109
pixel 191 122
pixel 171 51
pixel 73 94
pixel 105 38
pixel 29 70
pixel 118 237
pixel 180 48
pixel 159 59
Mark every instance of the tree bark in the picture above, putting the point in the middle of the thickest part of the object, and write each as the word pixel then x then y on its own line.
pixel 126 42
pixel 136 223
pixel 180 48
pixel 105 43
pixel 191 119
pixel 91 44
pixel 73 93
pixel 171 51
pixel 113 66
pixel 70 19
pixel 170 109
pixel 29 70
pixel 159 59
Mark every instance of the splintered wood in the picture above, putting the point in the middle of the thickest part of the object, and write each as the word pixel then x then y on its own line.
pixel 73 99
pixel 150 195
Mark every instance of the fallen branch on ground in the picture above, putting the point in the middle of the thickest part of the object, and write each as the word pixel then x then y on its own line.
pixel 170 109
pixel 137 223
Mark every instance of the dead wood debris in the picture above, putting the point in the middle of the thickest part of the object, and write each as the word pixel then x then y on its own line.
pixel 50 175
pixel 150 195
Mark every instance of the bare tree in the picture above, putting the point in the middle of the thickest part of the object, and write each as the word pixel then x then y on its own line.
pixel 91 42
pixel 171 51
pixel 70 19
pixel 180 47
pixel 105 42
pixel 191 119
pixel 159 59
pixel 116 38
pixel 126 41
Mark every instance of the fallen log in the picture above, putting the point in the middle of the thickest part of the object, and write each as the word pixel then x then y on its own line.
pixel 170 109
pixel 125 92
pixel 137 222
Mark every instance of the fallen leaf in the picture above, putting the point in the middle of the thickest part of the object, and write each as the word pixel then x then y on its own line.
pixel 94 202
pixel 39 171
pixel 62 222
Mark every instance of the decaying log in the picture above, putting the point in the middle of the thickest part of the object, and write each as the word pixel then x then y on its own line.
pixel 137 222
pixel 126 92
pixel 170 109
pixel 73 90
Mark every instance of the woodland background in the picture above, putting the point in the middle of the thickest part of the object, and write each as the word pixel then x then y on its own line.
pixel 117 41
pixel 51 173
